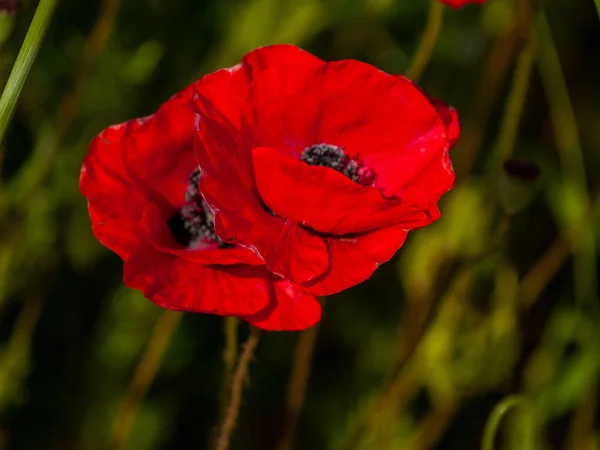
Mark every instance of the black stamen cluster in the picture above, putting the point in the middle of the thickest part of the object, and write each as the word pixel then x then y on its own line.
pixel 333 157
pixel 193 224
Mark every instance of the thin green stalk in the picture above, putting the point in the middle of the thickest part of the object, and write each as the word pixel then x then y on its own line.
pixel 231 344
pixel 428 40
pixel 230 356
pixel 597 3
pixel 547 266
pixel 237 386
pixel 514 105
pixel 561 109
pixel 298 383
pixel 493 423
pixel 15 357
pixel 143 377
pixel 570 152
pixel 18 75
pixel 96 42
pixel 40 165
pixel 495 68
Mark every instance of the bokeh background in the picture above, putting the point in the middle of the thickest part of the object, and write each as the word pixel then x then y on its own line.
pixel 498 298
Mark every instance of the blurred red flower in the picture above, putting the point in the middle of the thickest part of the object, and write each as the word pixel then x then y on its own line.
pixel 460 3
pixel 141 182
pixel 320 168
pixel 9 6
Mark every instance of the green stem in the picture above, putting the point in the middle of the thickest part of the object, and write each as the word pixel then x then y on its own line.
pixel 493 423
pixel 143 377
pixel 597 3
pixel 570 153
pixel 18 75
pixel 428 40
pixel 230 355
pixel 237 386
pixel 298 383
pixel 231 344
pixel 561 108
pixel 514 106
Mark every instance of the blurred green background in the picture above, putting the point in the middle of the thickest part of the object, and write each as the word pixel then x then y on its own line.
pixel 499 297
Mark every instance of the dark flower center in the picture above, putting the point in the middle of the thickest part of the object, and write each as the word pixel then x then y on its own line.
pixel 193 226
pixel 335 158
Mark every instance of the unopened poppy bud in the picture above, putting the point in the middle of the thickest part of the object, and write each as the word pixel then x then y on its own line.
pixel 518 184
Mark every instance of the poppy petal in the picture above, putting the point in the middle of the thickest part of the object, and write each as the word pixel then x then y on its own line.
pixel 449 116
pixel 157 230
pixel 218 96
pixel 353 260
pixel 383 120
pixel 325 200
pixel 159 151
pixel 279 55
pixel 104 178
pixel 240 217
pixel 179 284
pixel 288 250
pixel 289 309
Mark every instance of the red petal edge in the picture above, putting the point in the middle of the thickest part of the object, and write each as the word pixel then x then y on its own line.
pixel 179 284
pixel 289 309
pixel 354 259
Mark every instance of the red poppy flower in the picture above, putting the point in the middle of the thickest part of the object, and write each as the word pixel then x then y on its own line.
pixel 460 3
pixel 141 182
pixel 320 168
pixel 9 6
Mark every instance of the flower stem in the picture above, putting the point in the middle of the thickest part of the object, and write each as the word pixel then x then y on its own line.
pixel 597 3
pixel 94 45
pixel 230 354
pixel 570 152
pixel 18 75
pixel 428 40
pixel 513 110
pixel 561 108
pixel 543 271
pixel 231 345
pixel 237 385
pixel 494 71
pixel 16 354
pixel 39 166
pixel 493 423
pixel 297 386
pixel 143 377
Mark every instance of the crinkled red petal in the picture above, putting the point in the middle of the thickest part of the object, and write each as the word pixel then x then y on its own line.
pixel 449 116
pixel 177 283
pixel 159 154
pixel 241 218
pixel 157 230
pixel 289 310
pixel 381 119
pixel 114 202
pixel 354 259
pixel 280 55
pixel 327 201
